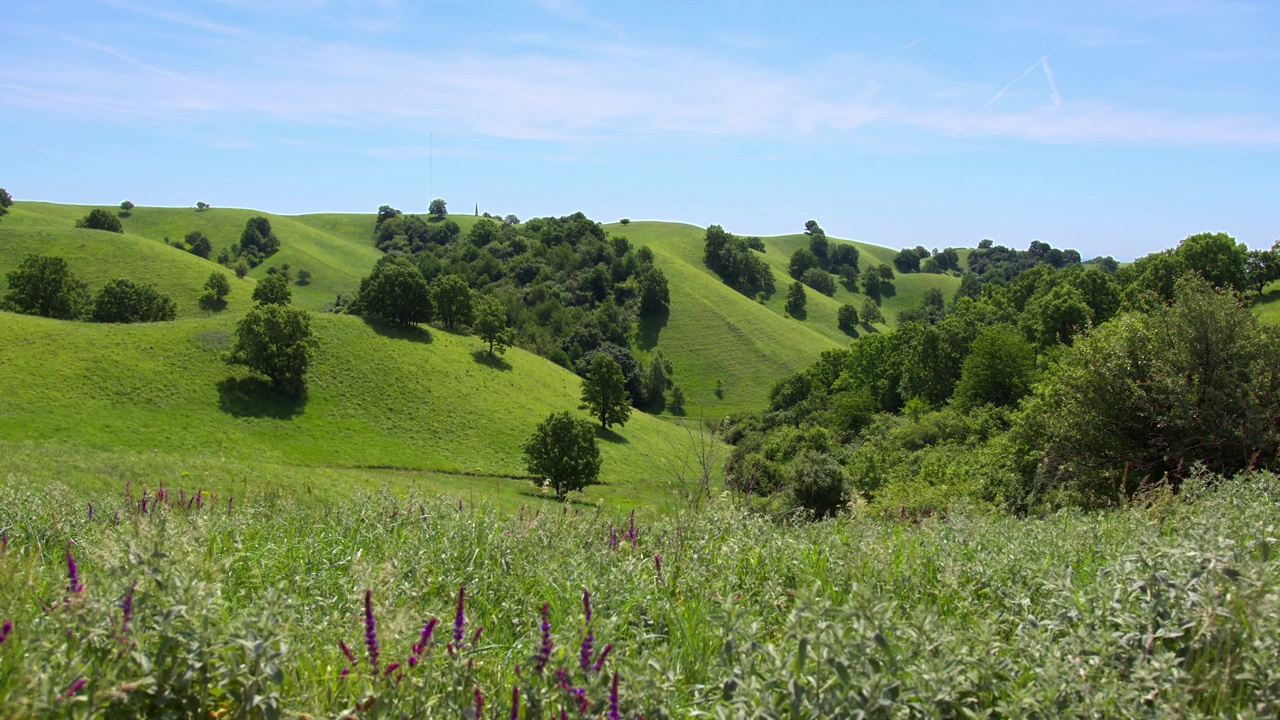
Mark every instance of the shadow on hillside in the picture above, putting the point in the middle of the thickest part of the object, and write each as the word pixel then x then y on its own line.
pixel 398 332
pixel 887 290
pixel 611 436
pixel 649 328
pixel 868 327
pixel 850 331
pixel 497 362
pixel 254 397
pixel 800 314
pixel 211 304
pixel 553 500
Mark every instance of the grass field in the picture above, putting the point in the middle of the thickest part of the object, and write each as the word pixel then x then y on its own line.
pixel 237 609
pixel 429 401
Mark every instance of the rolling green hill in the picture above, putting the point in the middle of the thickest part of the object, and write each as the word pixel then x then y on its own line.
pixel 376 398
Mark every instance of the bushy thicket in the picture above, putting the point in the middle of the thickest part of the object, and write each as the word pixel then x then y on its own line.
pixel 163 602
pixel 45 286
pixel 1068 385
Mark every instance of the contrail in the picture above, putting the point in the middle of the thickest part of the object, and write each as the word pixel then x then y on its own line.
pixel 1056 96
pixel 1043 62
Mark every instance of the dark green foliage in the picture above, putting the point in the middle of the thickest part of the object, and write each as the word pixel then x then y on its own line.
pixel 404 234
pixel 871 312
pixel 216 289
pixel 676 405
pixel 795 298
pixel 99 219
pixel 438 208
pixel 200 245
pixel 1055 318
pixel 385 213
pixel 820 248
pixel 452 300
pixel 731 258
pixel 819 280
pixel 126 208
pixel 657 379
pixel 1141 399
pixel 491 324
pixel 932 308
pixel 1217 257
pixel 1262 267
pixel 651 286
pixel 604 391
pixel 281 270
pixel 819 484
pixel 202 205
pixel 122 301
pixel 6 202
pixel 45 286
pixel 847 317
pixel 907 261
pixel 275 340
pixel 272 290
pixel 996 263
pixel 970 286
pixel 397 293
pixel 999 369
pixel 844 255
pixel 258 240
pixel 802 260
pixel 931 266
pixel 562 452
pixel 304 277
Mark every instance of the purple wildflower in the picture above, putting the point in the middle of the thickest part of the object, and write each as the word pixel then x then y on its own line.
pixel 585 651
pixel 423 641
pixel 613 700
pixel 459 617
pixel 4 542
pixel 603 654
pixel 143 503
pixel 76 687
pixel 182 497
pixel 115 519
pixel 74 586
pixel 5 630
pixel 479 704
pixel 515 702
pixel 613 537
pixel 657 563
pixel 475 639
pixel 126 609
pixel 586 604
pixel 199 498
pixel 370 630
pixel 631 531
pixel 391 668
pixel 351 657
pixel 128 489
pixel 344 673
pixel 90 511
pixel 544 653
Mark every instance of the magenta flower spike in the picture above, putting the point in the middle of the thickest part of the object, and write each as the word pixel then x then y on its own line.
pixel 460 617
pixel 423 641
pixel 603 654
pixel 351 657
pixel 391 668
pixel 479 704
pixel 5 630
pixel 370 630
pixel 657 563
pixel 544 652
pixel 475 639
pixel 76 687
pixel 586 604
pixel 126 609
pixel 586 649
pixel 515 702
pixel 613 700
pixel 4 542
pixel 74 586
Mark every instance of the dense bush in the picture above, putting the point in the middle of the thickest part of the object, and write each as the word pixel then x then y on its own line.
pixel 397 293
pixel 99 219
pixel 275 340
pixel 731 258
pixel 45 286
pixel 123 301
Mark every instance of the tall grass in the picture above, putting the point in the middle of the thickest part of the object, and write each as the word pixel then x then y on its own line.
pixel 241 608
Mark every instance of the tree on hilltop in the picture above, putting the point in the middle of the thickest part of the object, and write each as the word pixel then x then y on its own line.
pixel 438 208
pixel 126 208
pixel 99 219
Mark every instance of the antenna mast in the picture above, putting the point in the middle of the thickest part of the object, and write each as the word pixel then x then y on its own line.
pixel 431 166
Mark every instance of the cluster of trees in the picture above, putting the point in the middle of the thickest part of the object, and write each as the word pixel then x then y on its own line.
pixel 560 287
pixel 996 263
pixel 6 202
pixel 1066 384
pixel 732 258
pixel 274 338
pixel 257 242
pixel 919 259
pixel 815 265
pixel 45 286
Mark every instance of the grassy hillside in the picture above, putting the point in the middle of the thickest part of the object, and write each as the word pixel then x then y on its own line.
pixel 429 401
pixel 716 333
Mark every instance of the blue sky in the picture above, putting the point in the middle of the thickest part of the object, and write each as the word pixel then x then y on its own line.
pixel 1115 128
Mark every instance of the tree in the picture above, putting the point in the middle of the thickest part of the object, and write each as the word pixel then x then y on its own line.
pixel 847 317
pixel 562 452
pixel 126 208
pixel 276 341
pixel 304 277
pixel 512 219
pixel 820 483
pixel 999 369
pixel 801 260
pixel 871 282
pixel 907 261
pixel 218 287
pixel 871 312
pixel 398 293
pixel 491 323
pixel 99 219
pixel 1263 267
pixel 452 299
pixel 657 379
pixel 1057 316
pixel 795 298
pixel 200 244
pixel 258 240
pixel 45 286
pixel 438 208
pixel 651 286
pixel 970 286
pixel 821 248
pixel 123 301
pixel 202 205
pixel 6 201
pixel 604 391
pixel 844 255
pixel 819 280
pixel 272 290
pixel 385 213
pixel 1217 257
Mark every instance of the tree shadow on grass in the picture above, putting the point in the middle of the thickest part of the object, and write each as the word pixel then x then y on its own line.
pixel 212 304
pixel 254 397
pixel 497 362
pixel 398 332
pixel 868 327
pixel 551 499
pixel 800 314
pixel 851 331
pixel 611 436
pixel 648 329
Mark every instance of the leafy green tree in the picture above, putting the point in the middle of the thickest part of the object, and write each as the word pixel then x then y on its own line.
pixel 276 341
pixel 272 290
pixel 801 260
pixel 1143 398
pixel 216 290
pixel 6 202
pixel 202 205
pixel 126 208
pixel 562 452
pixel 200 245
pixel 1263 267
pixel 452 300
pixel 970 286
pixel 385 213
pixel 491 323
pixel 871 312
pixel 819 483
pixel 438 208
pixel 847 317
pixel 657 379
pixel 604 391
pixel 45 286
pixel 931 266
pixel 1217 257
pixel 871 282
pixel 820 247
pixel 99 219
pixel 795 298
pixel 304 277
pixel 651 286
pixel 676 406
pixel 258 240
pixel 123 301
pixel 844 255
pixel 999 369
pixel 1057 316
pixel 907 261
pixel 397 293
